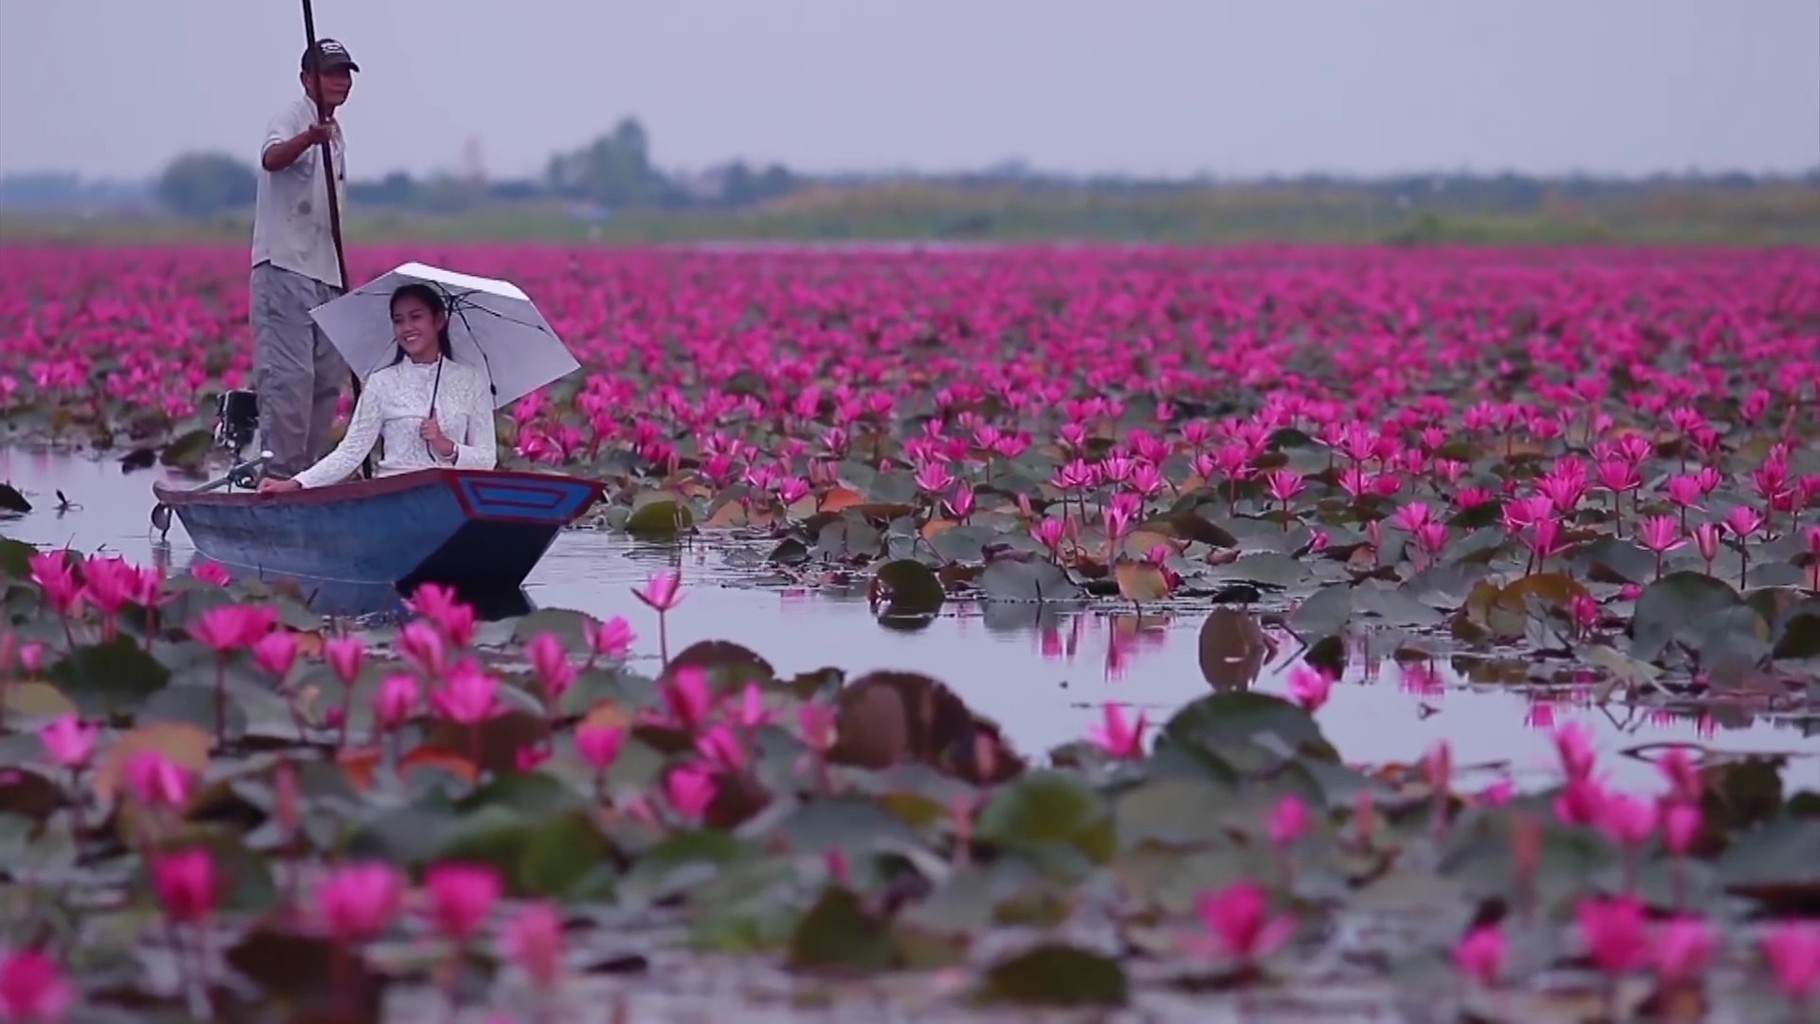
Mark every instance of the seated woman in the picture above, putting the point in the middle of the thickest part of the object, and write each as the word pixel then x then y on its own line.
pixel 428 409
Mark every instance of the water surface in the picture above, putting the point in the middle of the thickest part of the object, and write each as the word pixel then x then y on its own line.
pixel 1043 677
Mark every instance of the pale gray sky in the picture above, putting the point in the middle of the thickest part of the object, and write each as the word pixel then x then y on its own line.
pixel 1234 87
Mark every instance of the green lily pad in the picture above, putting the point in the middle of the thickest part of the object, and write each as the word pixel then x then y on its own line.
pixel 662 518
pixel 1047 810
pixel 1054 974
pixel 911 588
pixel 1006 579
pixel 1674 608
pixel 109 678
pixel 839 934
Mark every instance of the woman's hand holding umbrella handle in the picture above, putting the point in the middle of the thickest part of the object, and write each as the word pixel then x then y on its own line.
pixel 439 443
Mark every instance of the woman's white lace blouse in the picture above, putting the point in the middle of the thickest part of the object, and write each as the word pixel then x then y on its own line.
pixel 393 403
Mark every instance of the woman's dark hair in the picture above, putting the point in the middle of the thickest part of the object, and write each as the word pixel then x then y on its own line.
pixel 433 299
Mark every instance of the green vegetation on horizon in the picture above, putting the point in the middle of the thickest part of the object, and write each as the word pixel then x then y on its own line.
pixel 1685 213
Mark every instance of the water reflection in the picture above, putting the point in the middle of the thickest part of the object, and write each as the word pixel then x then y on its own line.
pixel 1042 671
pixel 373 602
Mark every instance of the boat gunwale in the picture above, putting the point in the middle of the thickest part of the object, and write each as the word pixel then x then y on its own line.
pixel 359 490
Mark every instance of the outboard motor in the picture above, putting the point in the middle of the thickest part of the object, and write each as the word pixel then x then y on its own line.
pixel 236 421
pixel 236 426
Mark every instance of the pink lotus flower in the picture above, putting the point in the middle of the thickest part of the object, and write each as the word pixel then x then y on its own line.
pixel 358 902
pixel 345 655
pixel 722 749
pixel 212 573
pixel 1574 745
pixel 752 711
pixel 1615 933
pixel 276 653
pixel 33 988
pixel 396 701
pixel 661 593
pixel 461 897
pixel 424 646
pixel 155 780
pixel 468 697
pixel 1309 687
pixel 1238 917
pixel 1582 802
pixel 600 745
pixel 1481 955
pixel 817 724
pixel 550 661
pixel 67 742
pixel 689 697
pixel 1120 737
pixel 446 611
pixel 233 627
pixel 612 638
pixel 1681 827
pixel 1684 949
pixel 1792 950
pixel 1288 822
pixel 533 940
pixel 1627 820
pixel 186 884
pixel 690 790
pixel 51 571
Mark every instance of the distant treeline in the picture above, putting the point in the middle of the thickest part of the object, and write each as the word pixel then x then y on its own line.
pixel 610 188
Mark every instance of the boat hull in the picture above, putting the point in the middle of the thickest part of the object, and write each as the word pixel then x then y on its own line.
pixel 483 529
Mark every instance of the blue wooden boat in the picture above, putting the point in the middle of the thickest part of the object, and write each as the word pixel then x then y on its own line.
pixel 481 530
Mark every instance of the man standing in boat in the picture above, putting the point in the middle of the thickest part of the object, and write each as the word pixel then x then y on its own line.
pixel 297 373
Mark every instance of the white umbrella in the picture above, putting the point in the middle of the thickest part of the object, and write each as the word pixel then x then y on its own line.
pixel 493 325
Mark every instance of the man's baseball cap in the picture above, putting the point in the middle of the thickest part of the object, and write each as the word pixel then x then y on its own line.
pixel 328 55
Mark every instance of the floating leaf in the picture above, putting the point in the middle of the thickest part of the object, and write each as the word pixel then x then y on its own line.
pixel 1323 613
pixel 500 738
pixel 565 624
pixel 28 794
pixel 189 451
pixel 889 718
pixel 34 699
pixel 309 977
pixel 732 665
pixel 1222 720
pixel 661 518
pixel 842 823
pixel 1048 809
pixel 12 501
pixel 1006 579
pixel 1140 581
pixel 16 559
pixel 909 588
pixel 562 857
pixel 1172 812
pixel 1776 864
pixel 956 543
pixel 194 705
pixel 1799 637
pixel 1672 609
pixel 1053 974
pixel 839 934
pixel 109 678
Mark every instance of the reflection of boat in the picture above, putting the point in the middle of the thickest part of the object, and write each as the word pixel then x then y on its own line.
pixel 483 530
pixel 346 598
